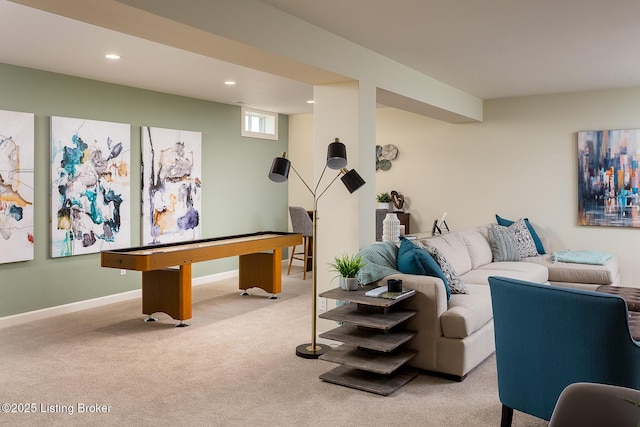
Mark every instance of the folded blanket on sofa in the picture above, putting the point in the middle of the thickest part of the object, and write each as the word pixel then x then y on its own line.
pixel 381 261
pixel 581 257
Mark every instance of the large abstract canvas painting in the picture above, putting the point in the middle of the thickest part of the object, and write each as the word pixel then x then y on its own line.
pixel 16 186
pixel 608 178
pixel 171 185
pixel 90 186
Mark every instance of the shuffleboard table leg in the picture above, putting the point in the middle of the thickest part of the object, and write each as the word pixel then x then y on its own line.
pixel 167 290
pixel 261 270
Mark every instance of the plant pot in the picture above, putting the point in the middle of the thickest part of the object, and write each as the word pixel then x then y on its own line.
pixel 384 205
pixel 348 283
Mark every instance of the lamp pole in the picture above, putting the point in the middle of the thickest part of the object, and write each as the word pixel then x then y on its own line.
pixel 336 159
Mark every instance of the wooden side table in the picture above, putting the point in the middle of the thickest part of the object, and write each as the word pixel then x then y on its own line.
pixel 372 357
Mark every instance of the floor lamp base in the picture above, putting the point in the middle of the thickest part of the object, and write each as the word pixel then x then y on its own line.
pixel 308 352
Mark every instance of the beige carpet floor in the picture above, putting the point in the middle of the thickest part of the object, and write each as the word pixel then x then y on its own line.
pixel 234 366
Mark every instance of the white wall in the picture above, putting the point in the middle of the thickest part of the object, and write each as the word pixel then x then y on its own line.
pixel 521 161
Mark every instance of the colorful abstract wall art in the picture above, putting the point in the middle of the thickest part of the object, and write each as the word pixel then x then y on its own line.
pixel 171 185
pixel 608 178
pixel 90 186
pixel 16 186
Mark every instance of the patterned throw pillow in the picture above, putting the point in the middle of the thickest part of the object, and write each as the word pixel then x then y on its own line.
pixel 534 235
pixel 453 280
pixel 526 245
pixel 503 244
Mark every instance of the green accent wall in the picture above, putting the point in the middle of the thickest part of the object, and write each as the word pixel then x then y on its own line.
pixel 237 195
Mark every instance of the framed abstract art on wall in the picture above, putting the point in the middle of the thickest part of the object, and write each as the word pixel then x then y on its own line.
pixel 608 178
pixel 16 186
pixel 171 185
pixel 90 186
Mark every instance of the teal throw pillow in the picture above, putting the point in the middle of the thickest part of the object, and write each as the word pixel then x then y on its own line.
pixel 413 259
pixel 534 235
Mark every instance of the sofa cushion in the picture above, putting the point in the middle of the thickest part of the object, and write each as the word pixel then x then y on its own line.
pixel 516 269
pixel 478 247
pixel 454 249
pixel 578 273
pixel 525 242
pixel 413 259
pixel 455 283
pixel 467 313
pixel 503 244
pixel 536 239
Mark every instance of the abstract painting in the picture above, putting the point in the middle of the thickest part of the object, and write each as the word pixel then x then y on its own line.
pixel 171 185
pixel 16 186
pixel 608 178
pixel 90 186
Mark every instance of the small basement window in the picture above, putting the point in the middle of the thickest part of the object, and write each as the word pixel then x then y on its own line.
pixel 259 124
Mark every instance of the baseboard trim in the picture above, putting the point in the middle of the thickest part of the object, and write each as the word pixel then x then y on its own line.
pixel 45 313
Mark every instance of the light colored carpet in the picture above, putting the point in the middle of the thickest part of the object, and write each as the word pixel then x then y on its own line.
pixel 234 366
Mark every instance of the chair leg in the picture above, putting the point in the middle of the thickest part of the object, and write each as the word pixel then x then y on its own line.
pixel 293 251
pixel 304 257
pixel 507 416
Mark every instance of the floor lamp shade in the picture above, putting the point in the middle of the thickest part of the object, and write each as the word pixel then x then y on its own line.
pixel 336 155
pixel 280 169
pixel 352 180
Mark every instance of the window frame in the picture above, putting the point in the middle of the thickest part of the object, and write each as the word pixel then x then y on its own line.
pixel 246 112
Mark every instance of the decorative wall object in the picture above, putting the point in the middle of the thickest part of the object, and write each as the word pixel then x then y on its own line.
pixel 90 186
pixel 608 178
pixel 171 185
pixel 16 186
pixel 384 156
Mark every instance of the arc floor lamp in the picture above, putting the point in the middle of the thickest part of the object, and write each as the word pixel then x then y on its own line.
pixel 337 160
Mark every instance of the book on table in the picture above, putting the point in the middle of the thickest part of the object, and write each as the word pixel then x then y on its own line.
pixel 383 292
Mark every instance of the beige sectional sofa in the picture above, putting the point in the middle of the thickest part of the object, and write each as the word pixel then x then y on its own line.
pixel 454 336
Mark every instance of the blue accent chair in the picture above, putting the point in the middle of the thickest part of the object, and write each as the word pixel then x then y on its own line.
pixel 548 337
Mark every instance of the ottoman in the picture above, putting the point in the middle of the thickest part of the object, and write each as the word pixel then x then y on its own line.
pixel 632 297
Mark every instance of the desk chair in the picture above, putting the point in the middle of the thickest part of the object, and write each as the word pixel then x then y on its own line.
pixel 548 337
pixel 301 223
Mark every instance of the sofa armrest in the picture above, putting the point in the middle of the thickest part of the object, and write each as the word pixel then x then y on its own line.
pixel 431 294
pixel 430 302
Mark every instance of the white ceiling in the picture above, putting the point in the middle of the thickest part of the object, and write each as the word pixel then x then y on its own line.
pixel 494 48
pixel 488 48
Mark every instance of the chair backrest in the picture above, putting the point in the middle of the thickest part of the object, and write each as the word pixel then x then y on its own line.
pixel 548 337
pixel 596 405
pixel 301 221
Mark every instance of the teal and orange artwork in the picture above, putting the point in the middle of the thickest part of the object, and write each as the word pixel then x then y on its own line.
pixel 90 186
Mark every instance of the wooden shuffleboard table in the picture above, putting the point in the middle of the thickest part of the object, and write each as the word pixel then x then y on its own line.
pixel 166 268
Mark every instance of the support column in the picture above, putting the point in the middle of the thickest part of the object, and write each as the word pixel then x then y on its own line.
pixel 346 221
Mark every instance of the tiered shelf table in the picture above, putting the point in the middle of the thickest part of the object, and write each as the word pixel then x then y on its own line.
pixel 372 357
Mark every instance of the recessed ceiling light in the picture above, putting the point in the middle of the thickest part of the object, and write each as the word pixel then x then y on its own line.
pixel 112 56
pixel 230 83
pixel 311 101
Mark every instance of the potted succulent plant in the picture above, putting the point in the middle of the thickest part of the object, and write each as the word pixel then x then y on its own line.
pixel 384 200
pixel 347 266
